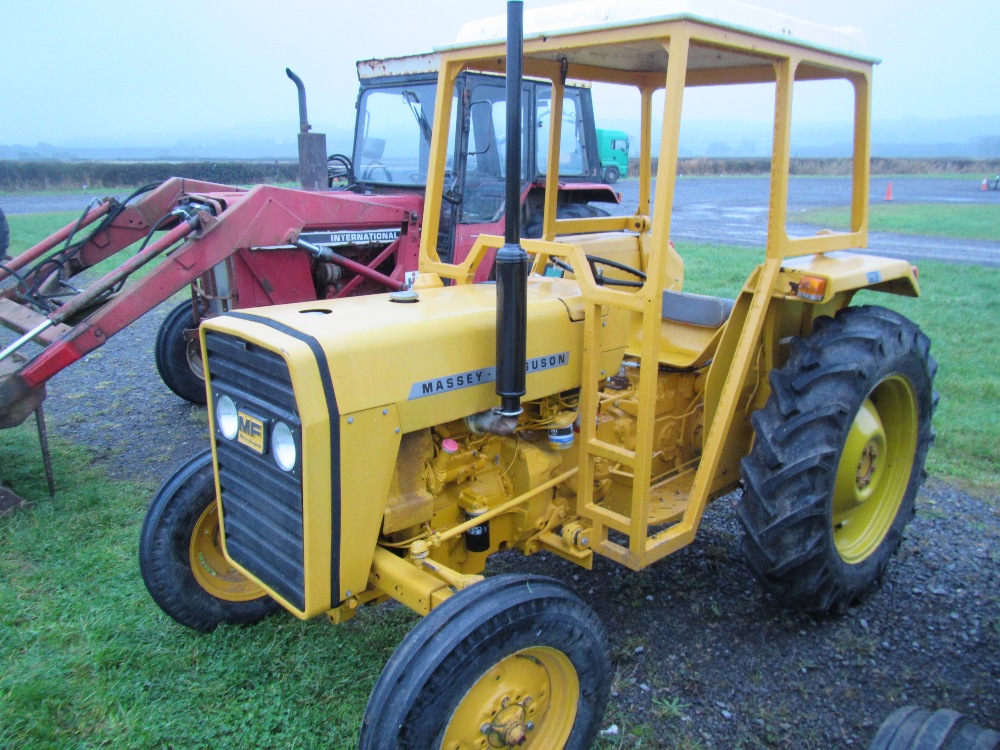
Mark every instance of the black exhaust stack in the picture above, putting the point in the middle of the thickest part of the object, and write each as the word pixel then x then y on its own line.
pixel 312 146
pixel 511 261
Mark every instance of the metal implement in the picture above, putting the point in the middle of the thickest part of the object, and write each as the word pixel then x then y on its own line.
pixel 237 248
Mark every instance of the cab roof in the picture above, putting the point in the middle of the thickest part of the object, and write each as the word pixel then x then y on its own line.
pixel 626 35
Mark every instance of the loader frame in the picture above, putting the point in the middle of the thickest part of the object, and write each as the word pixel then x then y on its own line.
pixel 235 247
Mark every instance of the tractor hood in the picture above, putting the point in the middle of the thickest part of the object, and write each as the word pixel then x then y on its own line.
pixel 433 360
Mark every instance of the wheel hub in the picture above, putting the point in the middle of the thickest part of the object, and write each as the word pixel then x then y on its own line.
pixel 868 465
pixel 528 699
pixel 509 727
pixel 193 353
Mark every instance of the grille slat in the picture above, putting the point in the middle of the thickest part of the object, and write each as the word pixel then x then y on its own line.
pixel 285 559
pixel 261 504
pixel 252 370
pixel 281 506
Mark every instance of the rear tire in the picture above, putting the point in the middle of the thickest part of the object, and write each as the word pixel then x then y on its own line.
pixel 838 457
pixel 533 229
pixel 912 728
pixel 520 657
pixel 181 559
pixel 178 359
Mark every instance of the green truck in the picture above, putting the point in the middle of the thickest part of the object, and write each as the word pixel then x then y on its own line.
pixel 612 146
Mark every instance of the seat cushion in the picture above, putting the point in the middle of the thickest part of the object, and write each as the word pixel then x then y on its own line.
pixel 696 309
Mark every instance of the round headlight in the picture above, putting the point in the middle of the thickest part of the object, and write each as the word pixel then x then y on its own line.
pixel 226 418
pixel 283 446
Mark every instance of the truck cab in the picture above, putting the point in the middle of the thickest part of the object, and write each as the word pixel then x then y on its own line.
pixel 612 146
pixel 395 110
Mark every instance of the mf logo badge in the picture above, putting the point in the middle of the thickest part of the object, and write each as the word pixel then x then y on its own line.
pixel 251 431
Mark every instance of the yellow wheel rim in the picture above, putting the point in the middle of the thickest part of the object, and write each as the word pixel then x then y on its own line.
pixel 211 569
pixel 874 469
pixel 527 700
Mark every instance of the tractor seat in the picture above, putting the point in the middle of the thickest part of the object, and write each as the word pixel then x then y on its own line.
pixel 690 329
pixel 696 309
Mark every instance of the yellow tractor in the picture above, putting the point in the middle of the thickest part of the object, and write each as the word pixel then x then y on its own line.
pixel 383 447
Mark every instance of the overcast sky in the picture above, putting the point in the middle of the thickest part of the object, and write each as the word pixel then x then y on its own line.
pixel 142 72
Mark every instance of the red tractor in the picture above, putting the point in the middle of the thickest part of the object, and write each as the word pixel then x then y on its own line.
pixel 354 231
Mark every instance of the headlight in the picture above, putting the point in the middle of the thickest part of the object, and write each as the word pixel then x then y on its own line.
pixel 226 417
pixel 283 446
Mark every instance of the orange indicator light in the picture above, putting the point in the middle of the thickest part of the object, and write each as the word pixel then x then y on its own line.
pixel 812 288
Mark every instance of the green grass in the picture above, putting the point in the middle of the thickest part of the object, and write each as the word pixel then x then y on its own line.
pixel 976 221
pixel 88 660
pixel 27 230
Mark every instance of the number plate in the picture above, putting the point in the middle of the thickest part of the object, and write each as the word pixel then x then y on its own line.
pixel 251 432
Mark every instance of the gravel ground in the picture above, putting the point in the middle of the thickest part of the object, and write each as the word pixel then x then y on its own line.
pixel 703 658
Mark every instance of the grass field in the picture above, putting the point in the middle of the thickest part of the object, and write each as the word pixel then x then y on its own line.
pixel 27 229
pixel 968 222
pixel 88 660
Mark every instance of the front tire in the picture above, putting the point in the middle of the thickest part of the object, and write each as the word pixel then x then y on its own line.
pixel 611 175
pixel 181 559
pixel 512 661
pixel 838 457
pixel 178 359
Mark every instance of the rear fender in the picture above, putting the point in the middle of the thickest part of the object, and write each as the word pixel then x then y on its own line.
pixel 845 273
pixel 791 314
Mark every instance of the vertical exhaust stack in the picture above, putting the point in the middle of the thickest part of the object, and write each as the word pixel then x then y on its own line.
pixel 312 146
pixel 511 261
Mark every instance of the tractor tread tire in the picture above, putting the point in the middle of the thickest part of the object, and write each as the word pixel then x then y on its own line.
pixel 164 557
pixel 416 693
pixel 913 728
pixel 533 228
pixel 170 354
pixel 799 435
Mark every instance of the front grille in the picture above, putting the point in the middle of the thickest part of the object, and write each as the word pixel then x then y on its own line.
pixel 261 504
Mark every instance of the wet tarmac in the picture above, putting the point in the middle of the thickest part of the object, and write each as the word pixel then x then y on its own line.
pixel 733 210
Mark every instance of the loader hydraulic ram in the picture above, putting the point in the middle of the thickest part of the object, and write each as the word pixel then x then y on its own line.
pixel 384 447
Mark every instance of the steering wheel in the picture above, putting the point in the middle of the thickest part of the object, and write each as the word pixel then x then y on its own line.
pixel 374 167
pixel 599 276
pixel 339 169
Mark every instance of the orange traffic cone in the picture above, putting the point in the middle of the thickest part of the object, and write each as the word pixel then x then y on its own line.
pixel 888 192
pixel 985 185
